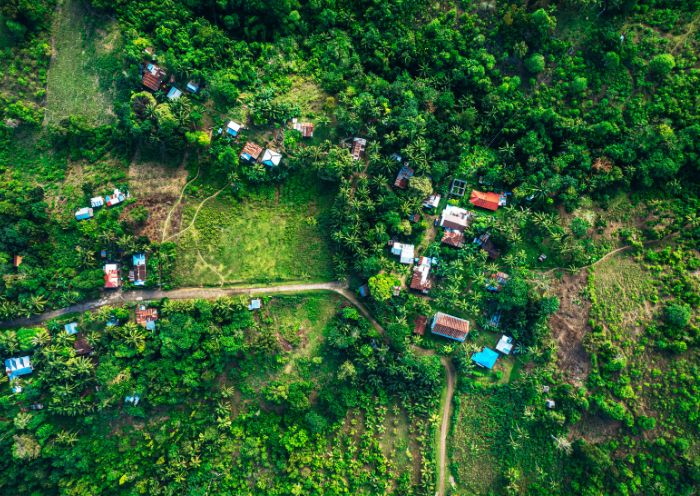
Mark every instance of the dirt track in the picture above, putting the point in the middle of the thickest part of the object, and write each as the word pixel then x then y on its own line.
pixel 444 426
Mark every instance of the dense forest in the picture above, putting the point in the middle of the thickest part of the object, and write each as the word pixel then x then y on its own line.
pixel 581 116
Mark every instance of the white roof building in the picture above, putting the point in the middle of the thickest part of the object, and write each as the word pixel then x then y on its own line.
pixel 404 251
pixel 271 158
pixel 505 345
pixel 97 201
pixel 455 218
pixel 432 201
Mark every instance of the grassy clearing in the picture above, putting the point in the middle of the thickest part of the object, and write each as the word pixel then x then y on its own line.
pixel 275 234
pixel 81 77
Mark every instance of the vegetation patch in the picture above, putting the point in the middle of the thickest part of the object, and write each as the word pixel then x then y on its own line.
pixel 84 65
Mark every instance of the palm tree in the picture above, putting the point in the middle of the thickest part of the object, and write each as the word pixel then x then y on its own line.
pixel 37 303
pixel 562 444
pixel 41 338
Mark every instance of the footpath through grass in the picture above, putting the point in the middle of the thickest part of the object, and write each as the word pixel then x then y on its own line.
pixel 276 234
pixel 81 77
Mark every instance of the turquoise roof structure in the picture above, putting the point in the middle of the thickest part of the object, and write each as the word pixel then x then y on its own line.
pixel 485 358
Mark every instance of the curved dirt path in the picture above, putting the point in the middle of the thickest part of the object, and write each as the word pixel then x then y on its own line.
pixel 166 222
pixel 340 288
pixel 196 213
pixel 444 425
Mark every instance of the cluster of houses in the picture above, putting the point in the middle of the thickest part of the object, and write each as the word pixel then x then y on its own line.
pixel 153 77
pixel 111 200
pixel 137 273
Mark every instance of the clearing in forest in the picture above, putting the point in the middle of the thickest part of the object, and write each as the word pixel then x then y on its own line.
pixel 275 234
pixel 80 80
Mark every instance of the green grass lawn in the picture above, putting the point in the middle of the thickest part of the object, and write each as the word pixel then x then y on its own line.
pixel 275 234
pixel 81 76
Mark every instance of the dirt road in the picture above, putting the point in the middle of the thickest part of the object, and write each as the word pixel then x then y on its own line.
pixel 445 425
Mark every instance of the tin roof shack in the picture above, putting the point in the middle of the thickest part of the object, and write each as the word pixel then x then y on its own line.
pixel 71 328
pixel 174 93
pixel 404 251
pixel 146 317
pixel 18 366
pixel 357 149
pixel 232 128
pixel 497 281
pixel 153 77
pixel 97 201
pixel 115 198
pixel 305 128
pixel 488 200
pixel 255 304
pixel 421 280
pixel 453 238
pixel 251 152
pixel 505 345
pixel 82 346
pixel 112 278
pixel 84 213
pixel 139 269
pixel 192 86
pixel 485 243
pixel 402 178
pixel 17 260
pixel 271 158
pixel 432 202
pixel 449 327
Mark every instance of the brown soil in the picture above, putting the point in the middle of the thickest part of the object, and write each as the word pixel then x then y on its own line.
pixel 157 187
pixel 594 429
pixel 569 326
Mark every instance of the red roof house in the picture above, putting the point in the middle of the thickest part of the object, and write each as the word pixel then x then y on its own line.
pixel 488 200
pixel 421 280
pixel 153 77
pixel 453 238
pixel 112 279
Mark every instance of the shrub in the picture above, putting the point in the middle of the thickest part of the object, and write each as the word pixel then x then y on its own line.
pixel 535 64
pixel 662 65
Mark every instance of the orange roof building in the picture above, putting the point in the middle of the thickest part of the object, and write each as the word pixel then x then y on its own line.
pixel 453 238
pixel 153 77
pixel 489 200
pixel 146 317
pixel 421 280
pixel 450 327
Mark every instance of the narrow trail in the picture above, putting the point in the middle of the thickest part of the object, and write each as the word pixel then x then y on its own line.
pixel 340 288
pixel 166 222
pixel 445 425
pixel 196 213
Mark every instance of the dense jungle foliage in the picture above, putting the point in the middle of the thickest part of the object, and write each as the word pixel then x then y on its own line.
pixel 586 111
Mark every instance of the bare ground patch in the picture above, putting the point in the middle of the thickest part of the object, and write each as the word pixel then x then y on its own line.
pixel 569 327
pixel 157 187
pixel 594 429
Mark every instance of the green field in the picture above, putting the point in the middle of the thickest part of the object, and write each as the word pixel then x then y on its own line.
pixel 83 67
pixel 275 234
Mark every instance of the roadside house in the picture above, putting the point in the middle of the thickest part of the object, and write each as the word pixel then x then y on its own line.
pixel 255 304
pixel 421 280
pixel 450 327
pixel 139 271
pixel 251 152
pixel 112 279
pixel 71 328
pixel 146 317
pixel 488 200
pixel 82 346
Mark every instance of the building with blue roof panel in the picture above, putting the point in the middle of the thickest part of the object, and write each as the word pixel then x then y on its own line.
pixel 485 358
pixel 15 367
pixel 71 328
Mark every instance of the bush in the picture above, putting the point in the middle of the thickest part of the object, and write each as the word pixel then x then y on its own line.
pixel 662 65
pixel 535 64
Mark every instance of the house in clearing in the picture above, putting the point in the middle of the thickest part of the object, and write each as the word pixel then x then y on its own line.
pixel 419 325
pixel 305 128
pixel 146 317
pixel 251 152
pixel 402 178
pixel 174 93
pixel 421 280
pixel 271 158
pixel 449 327
pixel 139 270
pixel 485 358
pixel 112 279
pixel 232 129
pixel 115 198
pixel 84 213
pixel 357 149
pixel 71 328
pixel 255 304
pixel 404 251
pixel 505 345
pixel 497 281
pixel 96 201
pixel 488 200
pixel 153 77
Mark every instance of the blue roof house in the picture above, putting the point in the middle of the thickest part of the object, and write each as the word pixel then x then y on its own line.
pixel 174 93
pixel 133 400
pixel 192 87
pixel 15 367
pixel 139 262
pixel 71 328
pixel 485 358
pixel 255 304
pixel 232 128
